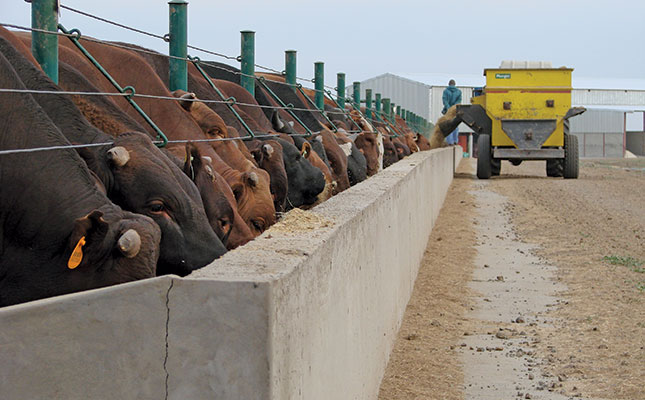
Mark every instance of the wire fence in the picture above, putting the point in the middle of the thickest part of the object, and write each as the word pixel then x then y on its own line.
pixel 166 38
pixel 230 101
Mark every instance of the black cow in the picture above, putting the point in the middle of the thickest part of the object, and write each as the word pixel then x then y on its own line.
pixel 305 180
pixel 137 176
pixel 58 232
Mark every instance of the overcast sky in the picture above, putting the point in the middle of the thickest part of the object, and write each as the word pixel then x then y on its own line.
pixel 599 39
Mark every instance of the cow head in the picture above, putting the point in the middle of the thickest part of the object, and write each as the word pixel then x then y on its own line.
pixel 337 160
pixel 268 155
pixel 250 189
pixel 389 152
pixel 218 210
pixel 422 142
pixel 315 160
pixel 305 180
pixel 402 150
pixel 140 178
pixel 126 245
pixel 368 145
pixel 410 141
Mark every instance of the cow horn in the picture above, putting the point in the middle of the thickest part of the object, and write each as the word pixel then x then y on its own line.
pixel 277 122
pixel 253 179
pixel 207 159
pixel 130 243
pixel 268 150
pixel 119 155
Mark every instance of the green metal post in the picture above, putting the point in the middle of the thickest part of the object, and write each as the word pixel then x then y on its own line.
pixel 319 83
pixel 44 46
pixel 368 103
pixel 386 108
pixel 377 105
pixel 290 67
pixel 247 80
pixel 398 111
pixel 340 89
pixel 357 94
pixel 178 28
pixel 393 113
pixel 403 113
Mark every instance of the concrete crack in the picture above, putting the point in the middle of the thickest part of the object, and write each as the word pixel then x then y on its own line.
pixel 165 361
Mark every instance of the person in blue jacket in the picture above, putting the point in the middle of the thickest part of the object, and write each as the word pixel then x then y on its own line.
pixel 451 96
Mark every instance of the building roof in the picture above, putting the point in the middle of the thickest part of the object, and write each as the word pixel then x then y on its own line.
pixel 475 80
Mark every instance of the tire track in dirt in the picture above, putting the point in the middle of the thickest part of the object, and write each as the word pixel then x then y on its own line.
pixel 590 344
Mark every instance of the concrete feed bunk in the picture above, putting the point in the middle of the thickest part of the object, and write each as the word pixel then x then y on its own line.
pixel 308 310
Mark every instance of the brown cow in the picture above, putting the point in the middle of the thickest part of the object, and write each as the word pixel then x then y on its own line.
pixel 268 155
pixel 129 68
pixel 337 160
pixel 257 193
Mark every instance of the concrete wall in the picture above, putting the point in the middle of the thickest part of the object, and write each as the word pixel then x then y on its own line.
pixel 309 310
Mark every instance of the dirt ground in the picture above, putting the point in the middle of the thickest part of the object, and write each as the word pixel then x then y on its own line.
pixel 531 287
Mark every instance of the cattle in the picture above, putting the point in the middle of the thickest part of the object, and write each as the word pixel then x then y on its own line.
pixel 402 149
pixel 103 113
pixel 58 232
pixel 175 122
pixel 218 211
pixel 422 142
pixel 136 176
pixel 234 166
pixel 269 156
pixel 313 158
pixel 337 160
pixel 305 181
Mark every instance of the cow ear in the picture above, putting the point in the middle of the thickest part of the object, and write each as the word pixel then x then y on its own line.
pixel 193 160
pixel 306 149
pixel 257 155
pixel 88 231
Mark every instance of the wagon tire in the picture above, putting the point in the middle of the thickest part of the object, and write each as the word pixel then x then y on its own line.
pixel 571 160
pixel 484 157
pixel 554 168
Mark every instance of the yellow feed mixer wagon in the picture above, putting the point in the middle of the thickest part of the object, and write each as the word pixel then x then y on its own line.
pixel 522 114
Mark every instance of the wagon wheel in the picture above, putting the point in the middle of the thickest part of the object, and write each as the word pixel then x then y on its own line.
pixel 495 166
pixel 484 159
pixel 554 168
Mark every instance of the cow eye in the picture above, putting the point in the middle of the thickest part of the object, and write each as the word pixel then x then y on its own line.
pixel 259 225
pixel 157 207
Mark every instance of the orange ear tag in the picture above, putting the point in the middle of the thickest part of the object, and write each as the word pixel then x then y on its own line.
pixel 77 255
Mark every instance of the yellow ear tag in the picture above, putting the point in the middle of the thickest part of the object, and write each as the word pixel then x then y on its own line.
pixel 77 255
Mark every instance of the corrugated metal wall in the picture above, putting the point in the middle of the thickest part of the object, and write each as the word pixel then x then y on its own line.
pixel 409 94
pixel 600 133
pixel 602 97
